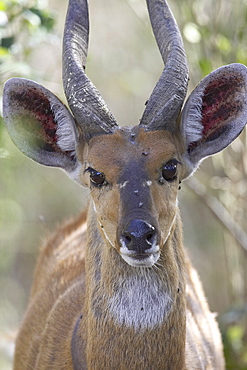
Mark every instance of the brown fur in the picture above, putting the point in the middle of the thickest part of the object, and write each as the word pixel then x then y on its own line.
pixel 70 321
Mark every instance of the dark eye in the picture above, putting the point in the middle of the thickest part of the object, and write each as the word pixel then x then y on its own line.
pixel 169 170
pixel 97 178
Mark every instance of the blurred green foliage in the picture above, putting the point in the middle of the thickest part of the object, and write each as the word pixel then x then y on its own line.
pixel 124 64
pixel 235 347
pixel 23 24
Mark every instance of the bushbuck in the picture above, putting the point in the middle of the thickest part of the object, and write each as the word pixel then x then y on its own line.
pixel 121 293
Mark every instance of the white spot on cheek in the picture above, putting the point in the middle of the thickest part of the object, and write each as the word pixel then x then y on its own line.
pixel 147 183
pixel 106 236
pixel 102 227
pixel 123 185
pixel 94 207
pixel 169 230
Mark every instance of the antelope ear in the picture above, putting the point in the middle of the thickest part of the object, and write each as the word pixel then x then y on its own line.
pixel 215 113
pixel 39 124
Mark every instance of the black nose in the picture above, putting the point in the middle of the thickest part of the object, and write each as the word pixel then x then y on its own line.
pixel 139 236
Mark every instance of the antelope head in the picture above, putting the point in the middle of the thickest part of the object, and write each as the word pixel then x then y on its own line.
pixel 133 172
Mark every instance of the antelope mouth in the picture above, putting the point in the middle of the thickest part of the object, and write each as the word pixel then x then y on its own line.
pixel 140 260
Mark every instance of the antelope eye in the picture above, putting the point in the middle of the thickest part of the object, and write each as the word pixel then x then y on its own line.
pixel 169 170
pixel 97 178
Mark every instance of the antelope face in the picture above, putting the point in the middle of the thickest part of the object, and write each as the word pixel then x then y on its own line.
pixel 133 176
pixel 133 173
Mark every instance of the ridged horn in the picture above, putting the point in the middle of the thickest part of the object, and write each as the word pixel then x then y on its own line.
pixel 90 111
pixel 164 105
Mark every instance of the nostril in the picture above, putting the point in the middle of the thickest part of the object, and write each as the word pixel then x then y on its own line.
pixel 150 236
pixel 127 239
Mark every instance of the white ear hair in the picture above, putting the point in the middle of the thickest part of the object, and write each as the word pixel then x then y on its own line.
pixel 66 135
pixel 194 127
pixel 214 114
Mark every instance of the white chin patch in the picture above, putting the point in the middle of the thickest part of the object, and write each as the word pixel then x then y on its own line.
pixel 148 261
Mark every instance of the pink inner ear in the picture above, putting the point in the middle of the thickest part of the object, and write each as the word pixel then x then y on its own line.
pixel 222 102
pixel 38 105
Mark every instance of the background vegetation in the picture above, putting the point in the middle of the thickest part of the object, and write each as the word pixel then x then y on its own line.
pixel 124 64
